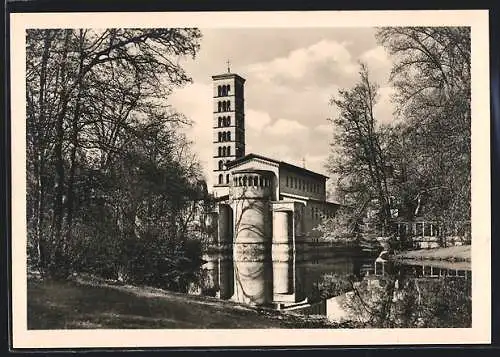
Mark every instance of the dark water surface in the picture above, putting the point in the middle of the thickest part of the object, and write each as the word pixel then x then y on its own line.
pixel 286 276
pixel 310 279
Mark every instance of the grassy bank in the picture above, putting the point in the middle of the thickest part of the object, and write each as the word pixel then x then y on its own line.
pixel 85 303
pixel 458 257
pixel 458 253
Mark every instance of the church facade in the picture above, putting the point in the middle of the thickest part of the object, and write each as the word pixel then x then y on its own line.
pixel 265 207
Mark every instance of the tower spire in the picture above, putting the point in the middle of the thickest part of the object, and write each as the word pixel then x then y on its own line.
pixel 228 127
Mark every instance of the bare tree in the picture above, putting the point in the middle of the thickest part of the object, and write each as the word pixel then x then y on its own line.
pixel 357 156
pixel 431 75
pixel 88 91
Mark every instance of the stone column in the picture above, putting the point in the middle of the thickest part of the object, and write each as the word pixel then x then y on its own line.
pixel 251 248
pixel 281 252
pixel 281 234
pixel 225 225
pixel 226 278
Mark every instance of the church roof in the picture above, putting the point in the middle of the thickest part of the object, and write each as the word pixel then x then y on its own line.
pixel 228 75
pixel 262 172
pixel 280 163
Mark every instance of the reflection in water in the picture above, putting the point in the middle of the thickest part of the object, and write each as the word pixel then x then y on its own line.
pixel 252 283
pixel 283 277
pixel 341 284
pixel 414 294
pixel 278 276
pixel 226 278
pixel 216 277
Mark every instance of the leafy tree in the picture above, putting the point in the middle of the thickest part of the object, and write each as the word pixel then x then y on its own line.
pixel 97 100
pixel 402 301
pixel 417 166
pixel 431 75
pixel 357 157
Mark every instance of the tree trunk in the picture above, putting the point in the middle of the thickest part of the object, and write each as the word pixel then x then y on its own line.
pixel 57 255
pixel 74 145
pixel 40 239
pixel 39 166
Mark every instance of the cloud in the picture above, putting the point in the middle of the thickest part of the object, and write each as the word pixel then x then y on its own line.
pixel 277 151
pixel 325 129
pixel 306 105
pixel 257 120
pixel 291 76
pixel 316 163
pixel 384 109
pixel 187 101
pixel 287 127
pixel 324 58
pixel 379 63
pixel 376 55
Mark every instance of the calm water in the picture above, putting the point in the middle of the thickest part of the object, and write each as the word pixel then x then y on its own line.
pixel 310 280
pixel 279 276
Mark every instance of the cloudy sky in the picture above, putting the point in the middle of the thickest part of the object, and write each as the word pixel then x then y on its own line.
pixel 291 74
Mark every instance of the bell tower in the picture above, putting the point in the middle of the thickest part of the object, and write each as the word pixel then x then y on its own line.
pixel 228 127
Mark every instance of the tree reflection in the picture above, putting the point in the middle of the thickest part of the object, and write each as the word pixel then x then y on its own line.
pixel 402 299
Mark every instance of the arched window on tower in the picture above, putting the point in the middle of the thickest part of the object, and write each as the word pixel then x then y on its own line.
pixel 221 178
pixel 224 106
pixel 229 151
pixel 219 106
pixel 220 121
pixel 221 165
pixel 224 136
pixel 220 151
pixel 219 91
pixel 227 178
pixel 220 136
pixel 228 89
pixel 224 151
pixel 228 106
pixel 228 136
pixel 228 121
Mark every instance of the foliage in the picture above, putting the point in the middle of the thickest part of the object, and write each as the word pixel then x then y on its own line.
pixel 343 227
pixel 398 302
pixel 331 285
pixel 431 147
pixel 112 186
pixel 357 157
pixel 419 165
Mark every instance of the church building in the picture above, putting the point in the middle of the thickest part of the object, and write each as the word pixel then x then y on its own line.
pixel 265 207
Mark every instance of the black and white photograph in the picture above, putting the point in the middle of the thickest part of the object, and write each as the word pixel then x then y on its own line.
pixel 265 177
